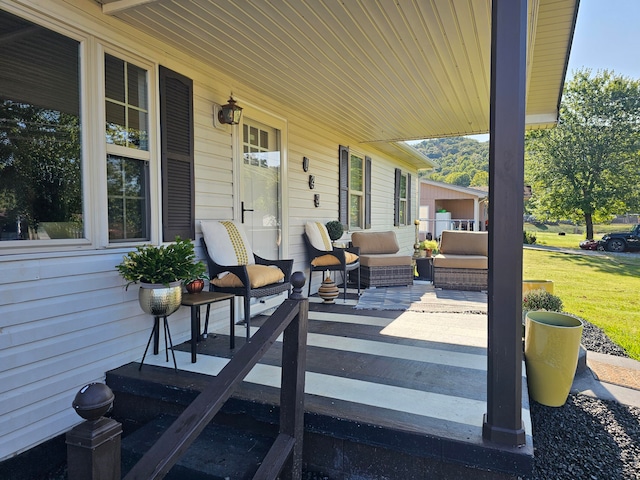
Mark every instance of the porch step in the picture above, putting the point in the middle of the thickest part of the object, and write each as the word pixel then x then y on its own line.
pixel 220 452
pixel 335 445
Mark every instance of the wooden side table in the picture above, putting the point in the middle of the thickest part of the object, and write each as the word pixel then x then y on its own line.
pixel 195 301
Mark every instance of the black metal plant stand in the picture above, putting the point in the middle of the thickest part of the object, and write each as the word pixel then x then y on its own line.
pixel 155 334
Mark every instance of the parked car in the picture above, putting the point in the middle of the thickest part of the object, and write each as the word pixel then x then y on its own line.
pixel 591 245
pixel 621 241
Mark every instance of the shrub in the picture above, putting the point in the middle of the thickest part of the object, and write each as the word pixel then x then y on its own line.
pixel 334 229
pixel 541 300
pixel 529 238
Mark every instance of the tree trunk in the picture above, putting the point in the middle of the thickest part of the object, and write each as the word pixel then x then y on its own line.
pixel 588 220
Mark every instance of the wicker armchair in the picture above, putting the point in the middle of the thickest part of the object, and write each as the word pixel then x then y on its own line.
pixel 338 264
pixel 246 291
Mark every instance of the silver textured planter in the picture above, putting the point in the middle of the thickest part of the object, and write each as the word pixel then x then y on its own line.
pixel 160 300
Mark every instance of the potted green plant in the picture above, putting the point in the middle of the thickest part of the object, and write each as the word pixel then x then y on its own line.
pixel 335 229
pixel 161 270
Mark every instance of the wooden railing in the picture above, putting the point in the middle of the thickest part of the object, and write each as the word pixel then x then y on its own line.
pixel 285 455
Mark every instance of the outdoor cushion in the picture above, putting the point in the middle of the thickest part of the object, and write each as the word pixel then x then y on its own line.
pixel 329 259
pixel 259 276
pixel 227 243
pixel 318 236
pixel 375 242
pixel 464 243
pixel 385 260
pixel 446 260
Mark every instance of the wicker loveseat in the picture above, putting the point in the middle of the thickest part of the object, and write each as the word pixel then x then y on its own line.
pixel 380 263
pixel 462 262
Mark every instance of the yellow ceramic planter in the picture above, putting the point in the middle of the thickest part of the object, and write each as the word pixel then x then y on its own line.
pixel 551 348
pixel 529 285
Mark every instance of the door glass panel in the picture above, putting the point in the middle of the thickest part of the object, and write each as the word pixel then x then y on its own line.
pixel 261 187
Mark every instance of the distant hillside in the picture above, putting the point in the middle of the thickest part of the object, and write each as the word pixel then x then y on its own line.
pixel 463 161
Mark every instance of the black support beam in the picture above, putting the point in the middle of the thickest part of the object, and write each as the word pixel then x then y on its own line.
pixel 503 420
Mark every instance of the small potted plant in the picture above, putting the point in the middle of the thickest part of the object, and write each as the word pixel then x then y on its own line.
pixel 428 247
pixel 334 229
pixel 194 282
pixel 161 270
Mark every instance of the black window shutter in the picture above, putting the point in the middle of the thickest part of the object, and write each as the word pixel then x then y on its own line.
pixel 409 202
pixel 343 194
pixel 367 192
pixel 176 127
pixel 396 199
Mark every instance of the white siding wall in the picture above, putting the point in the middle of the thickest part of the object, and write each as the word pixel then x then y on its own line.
pixel 65 318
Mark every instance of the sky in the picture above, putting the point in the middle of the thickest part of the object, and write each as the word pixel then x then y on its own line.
pixel 607 36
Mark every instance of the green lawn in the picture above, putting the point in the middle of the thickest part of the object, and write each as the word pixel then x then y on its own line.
pixel 601 289
pixel 548 235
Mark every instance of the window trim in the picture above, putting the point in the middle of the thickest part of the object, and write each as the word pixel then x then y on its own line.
pixel 91 51
pixel 152 155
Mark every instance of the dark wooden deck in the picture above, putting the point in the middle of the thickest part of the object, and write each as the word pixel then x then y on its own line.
pixel 389 394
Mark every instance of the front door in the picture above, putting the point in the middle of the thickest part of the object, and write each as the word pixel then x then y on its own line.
pixel 260 187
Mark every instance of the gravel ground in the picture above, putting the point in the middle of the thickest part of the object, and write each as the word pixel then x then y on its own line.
pixel 587 438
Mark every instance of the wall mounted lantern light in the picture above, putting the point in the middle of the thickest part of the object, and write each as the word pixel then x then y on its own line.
pixel 230 113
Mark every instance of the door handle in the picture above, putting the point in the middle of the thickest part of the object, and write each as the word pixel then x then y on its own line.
pixel 242 209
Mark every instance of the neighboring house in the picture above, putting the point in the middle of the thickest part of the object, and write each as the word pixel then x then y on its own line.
pixel 467 207
pixel 109 139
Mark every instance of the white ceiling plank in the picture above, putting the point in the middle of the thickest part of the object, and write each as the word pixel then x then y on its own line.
pixel 402 69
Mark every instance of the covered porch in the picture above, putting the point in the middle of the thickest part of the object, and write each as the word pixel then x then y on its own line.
pixel 383 73
pixel 321 76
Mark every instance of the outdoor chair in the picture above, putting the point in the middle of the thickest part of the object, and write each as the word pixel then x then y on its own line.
pixel 235 269
pixel 322 256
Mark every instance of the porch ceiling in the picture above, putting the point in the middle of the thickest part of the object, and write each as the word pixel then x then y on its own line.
pixel 376 70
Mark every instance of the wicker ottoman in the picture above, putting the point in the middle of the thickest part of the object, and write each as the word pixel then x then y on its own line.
pixel 386 275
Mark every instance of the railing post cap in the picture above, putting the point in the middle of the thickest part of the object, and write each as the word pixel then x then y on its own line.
pixel 297 280
pixel 93 401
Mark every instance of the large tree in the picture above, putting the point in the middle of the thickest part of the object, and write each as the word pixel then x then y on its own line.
pixel 588 166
